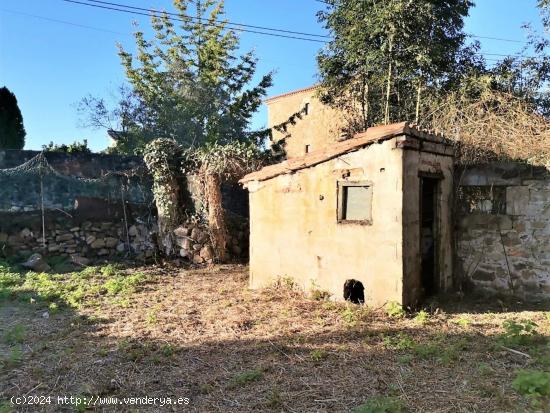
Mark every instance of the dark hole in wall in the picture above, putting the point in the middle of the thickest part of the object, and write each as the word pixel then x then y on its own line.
pixel 354 291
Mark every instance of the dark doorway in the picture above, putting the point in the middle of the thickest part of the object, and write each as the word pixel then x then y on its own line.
pixel 354 291
pixel 429 188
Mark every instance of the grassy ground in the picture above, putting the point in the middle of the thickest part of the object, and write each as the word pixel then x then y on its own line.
pixel 201 334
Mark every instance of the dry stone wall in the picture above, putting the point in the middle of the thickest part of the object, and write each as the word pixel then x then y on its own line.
pixel 503 231
pixel 193 239
pixel 83 242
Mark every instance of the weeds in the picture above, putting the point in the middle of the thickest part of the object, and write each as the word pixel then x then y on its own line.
pixel 463 321
pixel 15 335
pixel 353 313
pixel 246 377
pixel 533 384
pixel 13 358
pixel 318 354
pixel 395 310
pixel 110 270
pixel 520 333
pixel 380 404
pixel 421 317
pixel 400 341
pixel 274 399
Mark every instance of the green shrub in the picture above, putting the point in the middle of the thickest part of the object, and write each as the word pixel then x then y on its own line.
pixel 533 384
pixel 519 333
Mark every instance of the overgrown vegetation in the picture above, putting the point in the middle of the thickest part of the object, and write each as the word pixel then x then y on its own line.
pixel 75 147
pixel 400 60
pixel 73 289
pixel 271 350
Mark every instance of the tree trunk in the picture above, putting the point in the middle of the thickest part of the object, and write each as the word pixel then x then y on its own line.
pixel 169 215
pixel 418 90
pixel 216 217
pixel 388 86
pixel 365 105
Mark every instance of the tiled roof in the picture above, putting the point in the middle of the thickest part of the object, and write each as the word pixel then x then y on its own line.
pixel 371 135
pixel 293 92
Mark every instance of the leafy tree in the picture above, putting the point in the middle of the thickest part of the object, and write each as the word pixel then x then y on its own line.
pixel 386 54
pixel 188 84
pixel 12 131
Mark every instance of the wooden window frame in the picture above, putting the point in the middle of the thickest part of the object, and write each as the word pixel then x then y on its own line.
pixel 340 202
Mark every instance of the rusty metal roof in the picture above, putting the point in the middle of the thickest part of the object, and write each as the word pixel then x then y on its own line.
pixel 360 140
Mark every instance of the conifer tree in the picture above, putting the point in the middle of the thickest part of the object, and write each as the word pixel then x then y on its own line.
pixel 12 131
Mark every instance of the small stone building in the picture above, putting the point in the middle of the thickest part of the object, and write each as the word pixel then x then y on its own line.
pixel 366 219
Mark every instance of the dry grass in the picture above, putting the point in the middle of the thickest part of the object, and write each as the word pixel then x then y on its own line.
pixel 202 334
pixel 494 126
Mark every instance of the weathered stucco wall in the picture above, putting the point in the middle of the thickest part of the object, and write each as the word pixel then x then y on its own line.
pixel 294 229
pixel 505 248
pixel 440 165
pixel 319 128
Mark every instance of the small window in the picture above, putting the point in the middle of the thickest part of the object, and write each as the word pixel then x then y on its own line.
pixel 308 148
pixel 306 108
pixel 482 199
pixel 355 202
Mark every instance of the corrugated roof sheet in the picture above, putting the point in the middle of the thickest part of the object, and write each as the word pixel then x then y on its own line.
pixel 371 135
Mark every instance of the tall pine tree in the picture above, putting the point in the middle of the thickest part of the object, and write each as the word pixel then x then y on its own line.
pixel 12 131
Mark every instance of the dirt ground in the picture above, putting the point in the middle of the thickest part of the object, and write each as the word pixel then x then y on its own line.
pixel 202 334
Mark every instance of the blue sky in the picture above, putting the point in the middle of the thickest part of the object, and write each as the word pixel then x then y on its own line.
pixel 50 61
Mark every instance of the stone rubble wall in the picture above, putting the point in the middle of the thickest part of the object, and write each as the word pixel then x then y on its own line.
pixel 507 253
pixel 194 241
pixel 83 242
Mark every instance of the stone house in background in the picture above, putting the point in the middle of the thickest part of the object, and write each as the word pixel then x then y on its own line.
pixel 492 227
pixel 319 127
pixel 368 218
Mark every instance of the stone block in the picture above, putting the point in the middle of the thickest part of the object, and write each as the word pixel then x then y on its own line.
pixel 53 248
pixel 64 237
pixel 98 243
pixel 181 231
pixel 133 231
pixel 79 260
pixel 90 239
pixel 3 237
pixel 483 275
pixel 26 233
pixel 207 252
pixel 110 242
pixel 517 200
pixel 36 263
